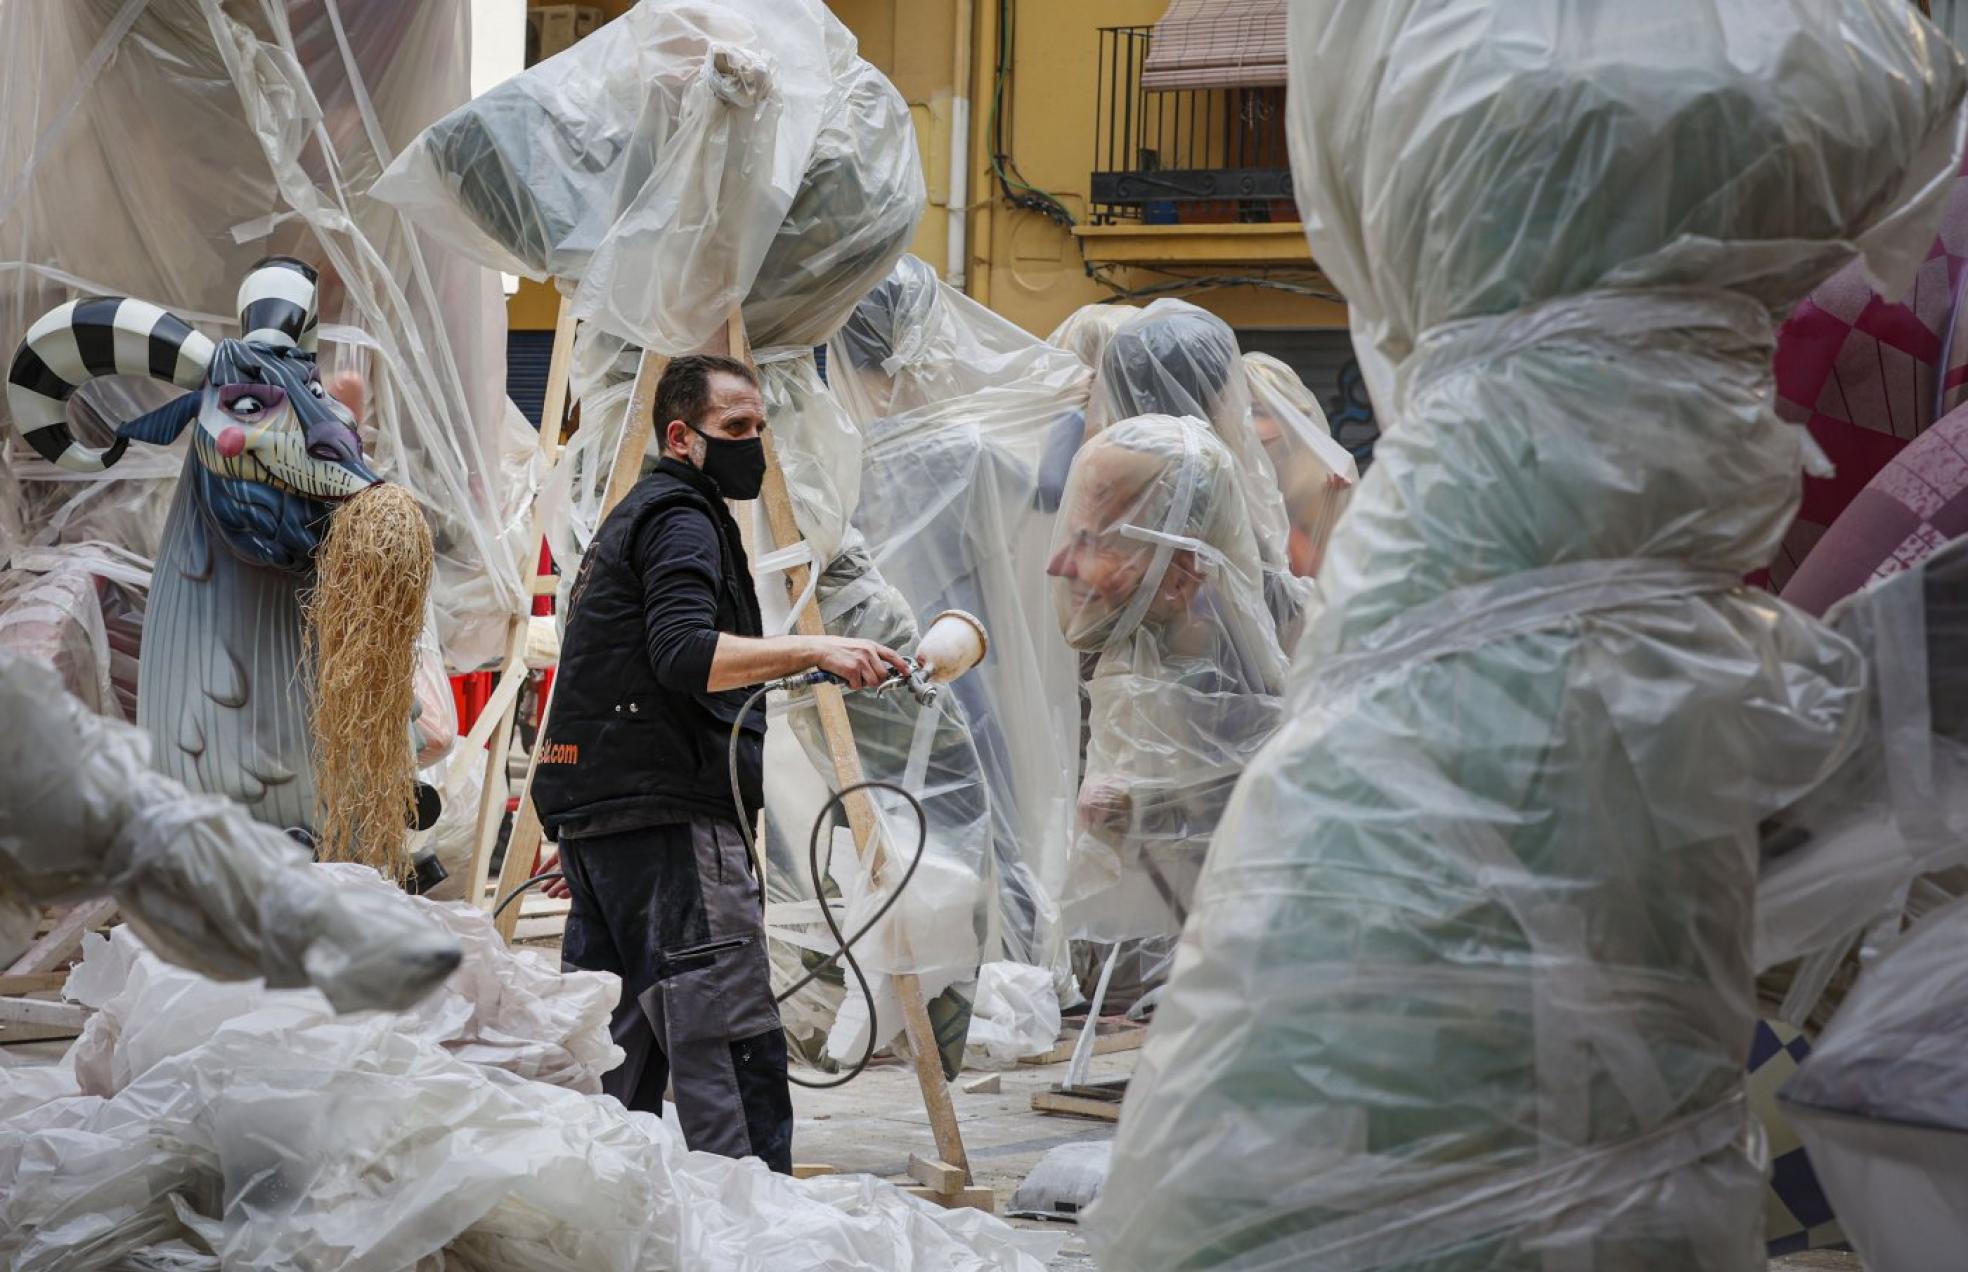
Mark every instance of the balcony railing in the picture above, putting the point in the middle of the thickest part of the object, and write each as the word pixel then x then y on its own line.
pixel 1194 155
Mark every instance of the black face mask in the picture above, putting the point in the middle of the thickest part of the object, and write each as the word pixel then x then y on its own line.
pixel 738 467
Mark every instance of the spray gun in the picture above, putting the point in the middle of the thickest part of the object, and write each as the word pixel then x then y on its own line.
pixel 954 643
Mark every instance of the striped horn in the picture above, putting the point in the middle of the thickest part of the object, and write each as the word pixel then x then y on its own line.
pixel 277 304
pixel 76 342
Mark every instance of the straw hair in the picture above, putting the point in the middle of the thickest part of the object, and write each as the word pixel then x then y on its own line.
pixel 373 573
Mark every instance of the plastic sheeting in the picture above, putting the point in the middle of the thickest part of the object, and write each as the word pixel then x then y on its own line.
pixel 503 1008
pixel 1879 1101
pixel 682 159
pixel 1467 983
pixel 1155 572
pixel 1015 1014
pixel 1316 475
pixel 156 148
pixel 852 206
pixel 958 410
pixel 1895 1050
pixel 83 814
pixel 1175 359
pixel 1085 332
pixel 1841 864
pixel 258 1127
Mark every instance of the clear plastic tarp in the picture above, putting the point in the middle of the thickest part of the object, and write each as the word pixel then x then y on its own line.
pixel 1155 574
pixel 958 410
pixel 156 148
pixel 1467 982
pixel 253 1128
pixel 800 249
pixel 1173 358
pixel 1871 845
pixel 82 814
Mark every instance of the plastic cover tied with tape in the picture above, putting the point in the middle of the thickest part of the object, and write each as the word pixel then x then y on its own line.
pixel 1467 979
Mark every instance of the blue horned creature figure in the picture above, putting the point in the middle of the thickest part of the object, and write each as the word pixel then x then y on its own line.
pixel 226 675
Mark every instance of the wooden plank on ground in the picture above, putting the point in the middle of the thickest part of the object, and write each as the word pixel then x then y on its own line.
pixel 13 986
pixel 52 950
pixel 1107 1041
pixel 1100 1101
pixel 813 1170
pixel 43 1013
pixel 935 1175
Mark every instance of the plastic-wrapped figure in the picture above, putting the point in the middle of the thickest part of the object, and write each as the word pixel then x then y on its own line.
pixel 1316 475
pixel 1175 359
pixel 224 652
pixel 1154 571
pixel 83 814
pixel 960 407
pixel 1467 984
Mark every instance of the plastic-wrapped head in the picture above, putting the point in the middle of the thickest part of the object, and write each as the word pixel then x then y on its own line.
pixel 1086 331
pixel 1175 359
pixel 855 212
pixel 915 341
pixel 865 354
pixel 1153 541
pixel 1748 148
pixel 1316 475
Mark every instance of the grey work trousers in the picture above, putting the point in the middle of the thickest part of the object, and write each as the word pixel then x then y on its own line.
pixel 677 913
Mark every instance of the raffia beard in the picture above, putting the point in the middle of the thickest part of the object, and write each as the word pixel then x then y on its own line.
pixel 363 616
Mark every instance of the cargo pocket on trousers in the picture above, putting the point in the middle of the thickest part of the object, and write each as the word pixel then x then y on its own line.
pixel 720 991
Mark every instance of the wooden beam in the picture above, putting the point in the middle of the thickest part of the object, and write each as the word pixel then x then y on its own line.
pixel 1105 1042
pixel 936 1175
pixel 52 950
pixel 493 790
pixel 560 362
pixel 1098 1100
pixel 42 1013
pixel 861 819
pixel 12 986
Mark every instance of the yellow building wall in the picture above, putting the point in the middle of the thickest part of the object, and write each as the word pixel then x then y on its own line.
pixel 1021 264
pixel 1024 265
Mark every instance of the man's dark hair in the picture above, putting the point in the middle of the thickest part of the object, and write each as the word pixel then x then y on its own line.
pixel 684 392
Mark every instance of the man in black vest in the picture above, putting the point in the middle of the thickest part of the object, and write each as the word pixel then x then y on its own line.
pixel 662 640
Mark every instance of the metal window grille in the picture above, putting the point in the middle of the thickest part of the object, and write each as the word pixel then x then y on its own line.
pixel 1184 155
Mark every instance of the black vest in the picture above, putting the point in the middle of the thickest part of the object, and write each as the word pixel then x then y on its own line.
pixel 621 752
